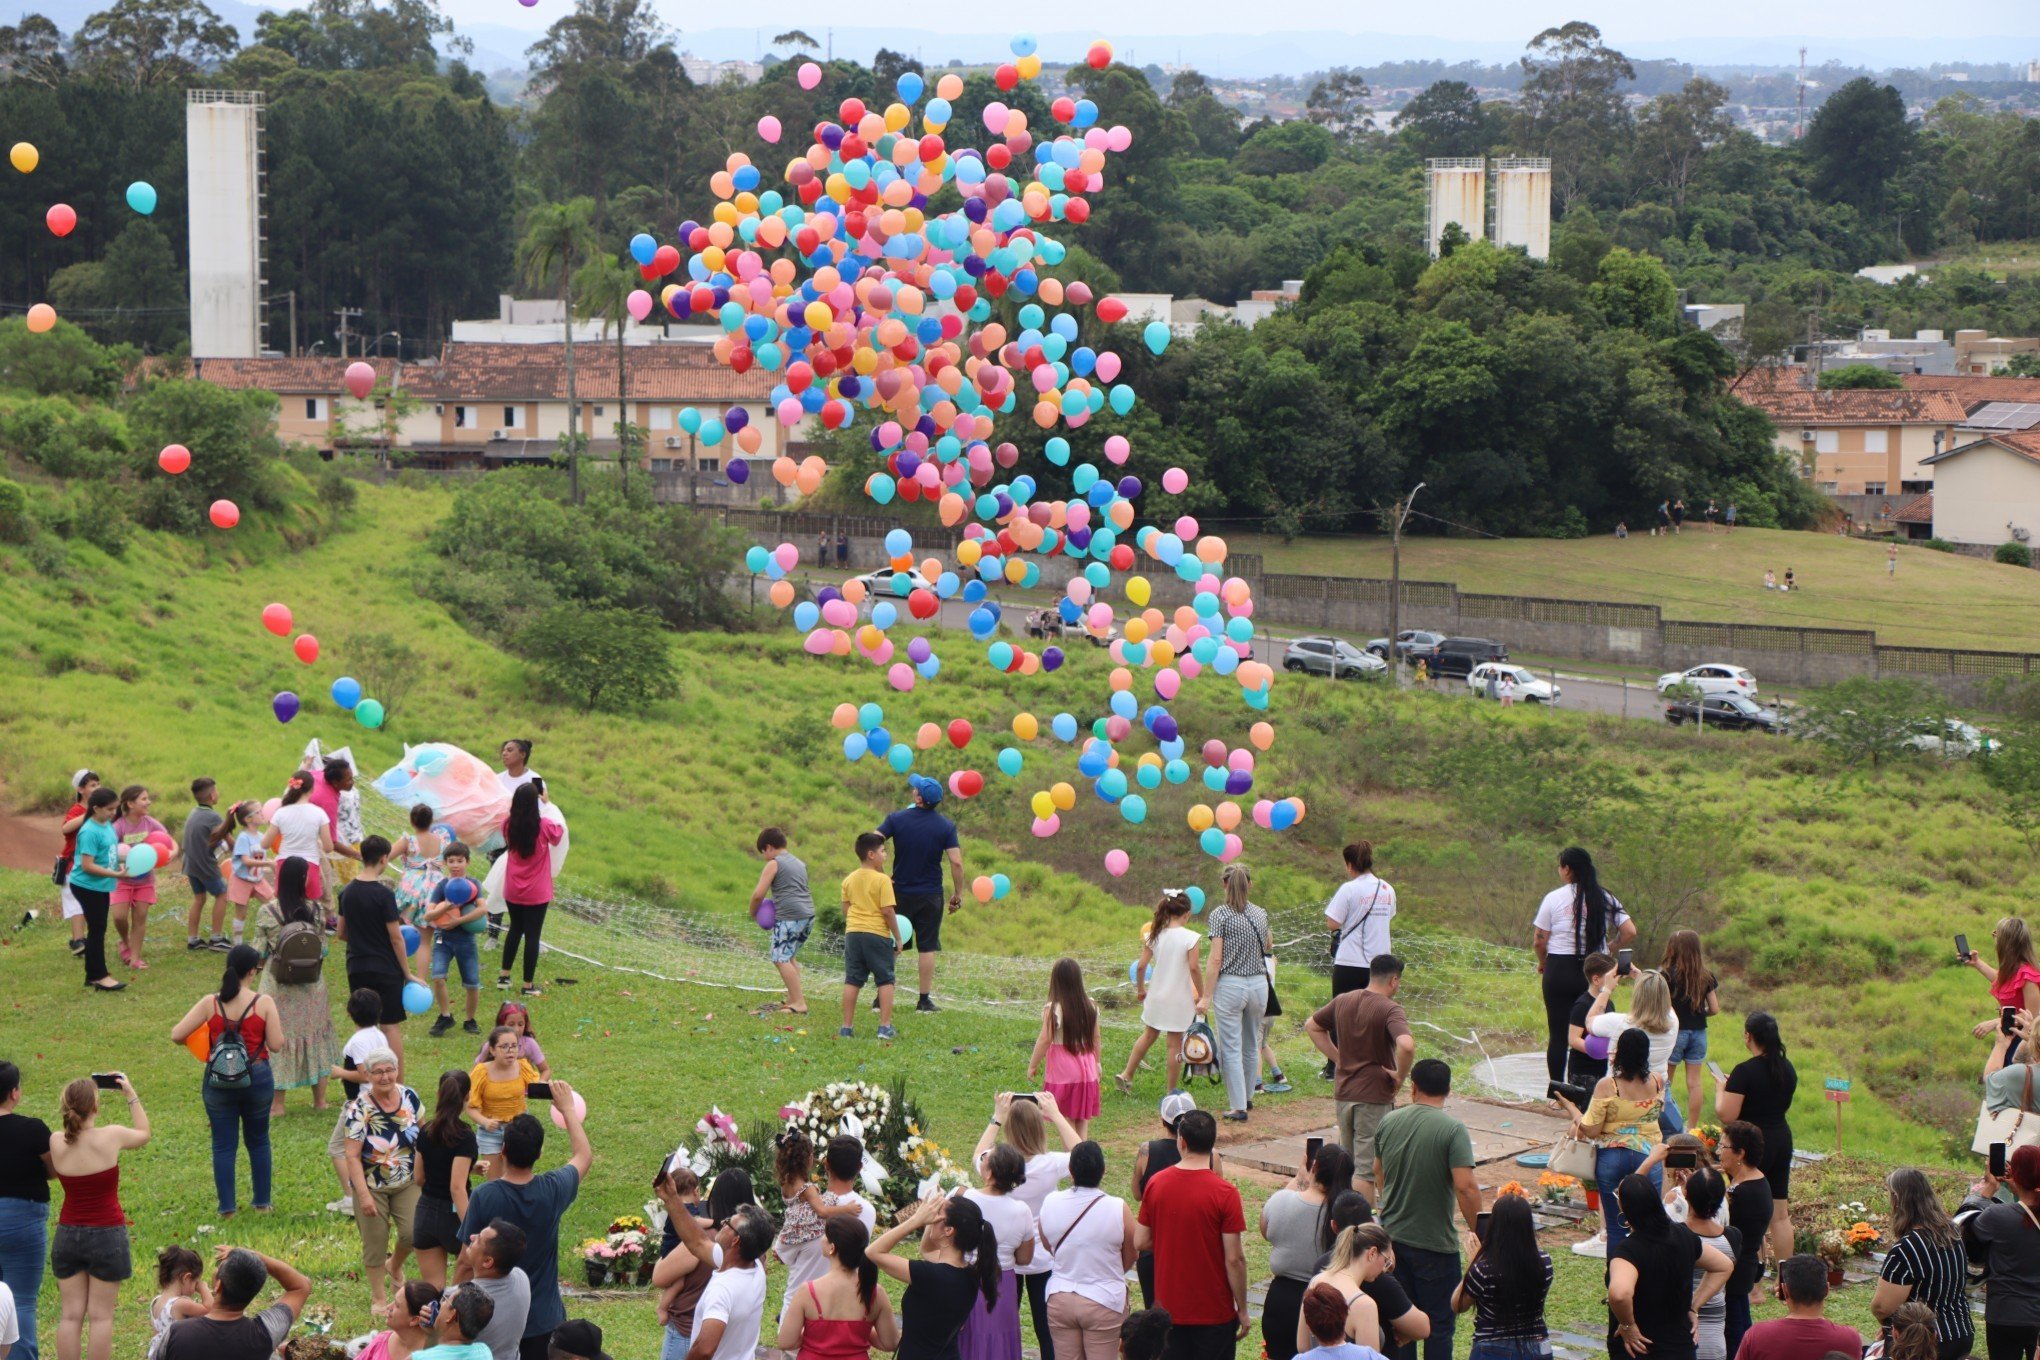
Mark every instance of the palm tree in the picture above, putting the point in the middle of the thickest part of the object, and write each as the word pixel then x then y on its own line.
pixel 558 239
pixel 603 286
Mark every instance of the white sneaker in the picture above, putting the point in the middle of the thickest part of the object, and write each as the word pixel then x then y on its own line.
pixel 1597 1245
pixel 343 1205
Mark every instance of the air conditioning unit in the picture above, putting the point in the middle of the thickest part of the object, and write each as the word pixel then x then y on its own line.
pixel 673 441
pixel 498 436
pixel 1806 436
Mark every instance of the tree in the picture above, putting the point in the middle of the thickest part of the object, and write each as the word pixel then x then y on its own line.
pixel 887 66
pixel 2023 366
pixel 61 361
pixel 1285 149
pixel 558 239
pixel 234 452
pixel 1766 335
pixel 373 423
pixel 604 285
pixel 103 290
pixel 608 658
pixel 359 35
pixel 1855 376
pixel 1572 104
pixel 616 33
pixel 1857 143
pixel 1676 131
pixel 387 666
pixel 1635 292
pixel 139 43
pixel 797 38
pixel 1446 119
pixel 33 50
pixel 1866 722
pixel 1338 103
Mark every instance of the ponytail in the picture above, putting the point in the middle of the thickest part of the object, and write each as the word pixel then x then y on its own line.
pixel 849 1237
pixel 1237 882
pixel 973 1235
pixel 1590 901
pixel 1174 903
pixel 242 960
pixel 81 1102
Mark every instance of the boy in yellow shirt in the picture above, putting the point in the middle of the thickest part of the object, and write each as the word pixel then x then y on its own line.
pixel 871 934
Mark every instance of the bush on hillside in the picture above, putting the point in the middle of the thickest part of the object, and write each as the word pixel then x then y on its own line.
pixel 2013 555
pixel 62 361
pixel 14 522
pixel 65 439
pixel 616 659
pixel 235 454
pixel 1938 544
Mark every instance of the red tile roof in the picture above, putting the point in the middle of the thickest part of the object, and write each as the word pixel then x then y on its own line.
pixel 1974 391
pixel 1920 510
pixel 1791 406
pixel 319 375
pixel 668 372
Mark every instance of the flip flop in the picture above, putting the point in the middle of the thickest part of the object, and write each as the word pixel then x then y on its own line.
pixel 1125 1085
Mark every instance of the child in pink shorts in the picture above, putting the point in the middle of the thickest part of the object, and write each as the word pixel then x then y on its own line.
pixel 134 894
pixel 251 878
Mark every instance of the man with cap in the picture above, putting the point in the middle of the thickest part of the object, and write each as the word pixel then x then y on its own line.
pixel 577 1340
pixel 922 838
pixel 1159 1154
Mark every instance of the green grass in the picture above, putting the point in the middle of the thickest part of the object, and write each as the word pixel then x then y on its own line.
pixel 1936 600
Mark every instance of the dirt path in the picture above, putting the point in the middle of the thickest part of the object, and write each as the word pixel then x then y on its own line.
pixel 29 840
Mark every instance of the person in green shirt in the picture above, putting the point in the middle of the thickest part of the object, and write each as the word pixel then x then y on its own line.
pixel 1423 1163
pixel 94 874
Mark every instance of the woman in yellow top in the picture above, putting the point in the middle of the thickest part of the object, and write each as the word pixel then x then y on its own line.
pixel 1622 1116
pixel 497 1093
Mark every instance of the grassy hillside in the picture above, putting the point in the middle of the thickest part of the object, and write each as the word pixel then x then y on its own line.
pixel 1936 600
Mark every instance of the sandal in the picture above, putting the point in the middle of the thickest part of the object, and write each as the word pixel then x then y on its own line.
pixel 1125 1084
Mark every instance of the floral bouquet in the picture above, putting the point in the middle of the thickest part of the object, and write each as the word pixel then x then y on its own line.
pixel 625 1223
pixel 1832 1246
pixel 1556 1187
pixel 597 1251
pixel 840 1107
pixel 927 1163
pixel 1709 1134
pixel 1861 1237
pixel 1510 1188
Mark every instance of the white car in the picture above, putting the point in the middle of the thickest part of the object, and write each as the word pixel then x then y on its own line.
pixel 878 585
pixel 1713 678
pixel 1529 689
pixel 1956 740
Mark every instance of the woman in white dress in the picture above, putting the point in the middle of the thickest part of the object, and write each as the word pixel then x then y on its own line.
pixel 1169 990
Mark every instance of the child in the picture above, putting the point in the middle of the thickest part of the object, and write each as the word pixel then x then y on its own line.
pixel 871 934
pixel 454 928
pixel 364 1008
pixel 134 894
pixel 417 853
pixel 1069 1040
pixel 204 829
pixel 182 1292
pixel 82 784
pixel 784 880
pixel 250 876
pixel 94 875
pixel 1770 579
pixel 1695 996
pixel 513 1015
pixel 496 1093
pixel 1170 995
pixel 799 1244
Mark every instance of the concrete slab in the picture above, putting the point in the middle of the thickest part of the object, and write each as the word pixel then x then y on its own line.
pixel 1516 1076
pixel 1499 1133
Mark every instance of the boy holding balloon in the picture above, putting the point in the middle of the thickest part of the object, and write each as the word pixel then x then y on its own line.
pixel 457 913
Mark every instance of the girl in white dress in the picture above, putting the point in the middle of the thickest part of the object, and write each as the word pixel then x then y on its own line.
pixel 1170 990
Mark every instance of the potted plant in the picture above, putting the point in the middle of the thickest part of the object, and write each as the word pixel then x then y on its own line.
pixel 597 1256
pixel 1832 1248
pixel 1555 1187
pixel 630 1237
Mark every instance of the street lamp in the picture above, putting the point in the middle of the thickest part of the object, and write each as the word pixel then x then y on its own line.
pixel 1402 514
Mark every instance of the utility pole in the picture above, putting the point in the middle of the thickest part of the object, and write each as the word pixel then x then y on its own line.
pixel 1402 514
pixel 292 295
pixel 345 314
pixel 1799 121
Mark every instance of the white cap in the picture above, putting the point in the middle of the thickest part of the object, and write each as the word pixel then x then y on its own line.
pixel 77 778
pixel 1175 1105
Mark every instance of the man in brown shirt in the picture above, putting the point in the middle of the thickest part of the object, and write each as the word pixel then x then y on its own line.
pixel 1373 1053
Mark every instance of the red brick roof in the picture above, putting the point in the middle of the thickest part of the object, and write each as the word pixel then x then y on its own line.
pixel 318 375
pixel 1920 510
pixel 1974 391
pixel 668 372
pixel 1790 405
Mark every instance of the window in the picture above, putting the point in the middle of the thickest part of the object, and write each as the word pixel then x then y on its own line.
pixel 1876 441
pixel 513 416
pixel 661 418
pixel 315 408
pixel 598 413
pixel 711 465
pixel 465 418
pixel 1827 441
pixel 1830 487
pixel 662 465
pixel 1873 488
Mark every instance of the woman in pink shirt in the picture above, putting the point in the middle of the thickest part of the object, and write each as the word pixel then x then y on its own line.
pixel 527 882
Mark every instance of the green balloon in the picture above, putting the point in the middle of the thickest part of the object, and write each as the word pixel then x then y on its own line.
pixel 369 713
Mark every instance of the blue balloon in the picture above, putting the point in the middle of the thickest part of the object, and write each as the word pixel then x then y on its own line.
pixel 878 739
pixel 141 196
pixel 1064 726
pixel 1124 704
pixel 643 248
pixel 1092 763
pixel 410 940
pixel 1134 808
pixel 854 746
pixel 347 692
pixel 1282 816
pixel 417 998
pixel 897 542
pixel 884 615
pixel 806 615
pixel 1010 761
pixel 909 86
pixel 1212 841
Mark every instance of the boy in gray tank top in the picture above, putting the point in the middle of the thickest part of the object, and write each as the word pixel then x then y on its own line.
pixel 784 882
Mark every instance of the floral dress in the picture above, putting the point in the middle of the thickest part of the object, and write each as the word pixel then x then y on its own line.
pixel 387 1137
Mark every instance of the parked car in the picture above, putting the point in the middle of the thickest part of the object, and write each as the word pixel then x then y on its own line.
pixel 1453 657
pixel 1529 689
pixel 879 584
pixel 1407 639
pixel 1730 711
pixel 1331 656
pixel 1047 623
pixel 1955 739
pixel 1712 678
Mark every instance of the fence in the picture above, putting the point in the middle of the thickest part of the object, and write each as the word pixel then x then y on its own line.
pixel 1580 630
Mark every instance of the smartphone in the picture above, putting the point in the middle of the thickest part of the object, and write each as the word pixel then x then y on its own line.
pixel 1681 1159
pixel 1997 1161
pixel 1961 949
pixel 1311 1148
pixel 1715 1069
pixel 1622 961
pixel 2006 1015
pixel 1030 1099
pixel 106 1081
pixel 538 1090
pixel 1481 1221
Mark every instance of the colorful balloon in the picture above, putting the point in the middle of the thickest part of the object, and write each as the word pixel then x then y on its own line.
pixel 276 618
pixel 24 157
pixel 61 219
pixel 41 317
pixel 306 647
pixel 224 514
pixel 141 196
pixel 173 459
pixel 284 705
pixel 360 379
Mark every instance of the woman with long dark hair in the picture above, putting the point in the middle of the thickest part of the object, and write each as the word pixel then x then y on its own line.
pixel 842 1314
pixel 958 1266
pixel 1695 996
pixel 1068 1044
pixel 1926 1265
pixel 240 1112
pixel 302 832
pixel 1749 1214
pixel 1702 1195
pixel 993 1331
pixel 446 1157
pixel 528 839
pixel 307 1056
pixel 1652 1296
pixel 1622 1119
pixel 1294 1223
pixel 1505 1286
pixel 1573 921
pixel 1759 1091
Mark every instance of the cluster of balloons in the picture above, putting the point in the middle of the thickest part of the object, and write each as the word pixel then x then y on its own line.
pixel 285 704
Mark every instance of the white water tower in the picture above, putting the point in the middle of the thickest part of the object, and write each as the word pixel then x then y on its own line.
pixel 1523 204
pixel 223 154
pixel 1458 188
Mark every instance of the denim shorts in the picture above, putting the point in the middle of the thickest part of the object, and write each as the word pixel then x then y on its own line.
pixel 867 957
pixel 214 886
pixel 788 937
pixel 451 945
pixel 1689 1047
pixel 488 1142
pixel 101 1253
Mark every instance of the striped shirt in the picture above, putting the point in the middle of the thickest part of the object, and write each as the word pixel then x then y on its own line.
pixel 1245 936
pixel 1507 1310
pixel 1939 1279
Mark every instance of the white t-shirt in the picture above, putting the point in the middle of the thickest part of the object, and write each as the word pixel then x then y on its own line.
pixel 512 782
pixel 1610 1024
pixel 10 1326
pixel 1010 1218
pixel 736 1298
pixel 1367 899
pixel 1555 914
pixel 1044 1171
pixel 1090 1238
pixel 361 1043
pixel 298 827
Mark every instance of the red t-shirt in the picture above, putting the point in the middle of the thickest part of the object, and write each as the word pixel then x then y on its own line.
pixel 1188 1210
pixel 71 840
pixel 1798 1339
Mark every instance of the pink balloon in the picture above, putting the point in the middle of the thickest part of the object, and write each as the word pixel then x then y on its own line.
pixel 1118 139
pixel 1116 862
pixel 820 642
pixel 580 1109
pixel 1118 728
pixel 768 128
pixel 900 677
pixel 360 379
pixel 995 117
pixel 839 613
pixel 640 304
pixel 1262 808
pixel 1214 752
pixel 1044 827
pixel 790 412
pixel 1108 366
pixel 1167 684
pixel 810 75
pixel 1186 527
pixel 1190 666
pixel 1242 759
pixel 1174 481
pixel 1079 590
pixel 1117 449
pixel 1233 846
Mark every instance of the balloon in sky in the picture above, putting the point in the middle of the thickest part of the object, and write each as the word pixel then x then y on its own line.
pixel 174 459
pixel 346 691
pixel 141 196
pixel 276 618
pixel 60 219
pixel 369 713
pixel 25 158
pixel 307 648
pixel 360 379
pixel 224 514
pixel 284 705
pixel 41 317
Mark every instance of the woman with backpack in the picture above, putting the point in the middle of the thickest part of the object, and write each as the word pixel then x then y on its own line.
pixel 287 930
pixel 241 1025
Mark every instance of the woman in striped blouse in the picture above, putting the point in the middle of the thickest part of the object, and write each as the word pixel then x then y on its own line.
pixel 1927 1266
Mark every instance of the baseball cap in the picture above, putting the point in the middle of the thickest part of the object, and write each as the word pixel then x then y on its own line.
pixel 78 777
pixel 579 1338
pixel 929 789
pixel 1175 1105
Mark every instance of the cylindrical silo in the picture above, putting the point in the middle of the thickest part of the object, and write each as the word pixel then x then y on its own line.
pixel 1458 194
pixel 1523 204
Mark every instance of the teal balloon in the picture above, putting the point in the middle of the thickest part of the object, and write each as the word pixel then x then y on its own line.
pixel 755 558
pixel 1212 841
pixel 1256 698
pixel 141 196
pixel 690 420
pixel 417 998
pixel 1156 336
pixel 1196 896
pixel 1134 808
pixel 1010 762
pixel 1121 396
pixel 1148 776
pixel 1058 451
pixel 870 716
pixel 1177 771
pixel 1214 778
pixel 1001 885
pixel 141 860
pixel 1000 654
pixel 900 756
pixel 369 713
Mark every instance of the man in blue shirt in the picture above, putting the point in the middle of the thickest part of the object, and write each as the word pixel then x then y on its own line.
pixel 921 839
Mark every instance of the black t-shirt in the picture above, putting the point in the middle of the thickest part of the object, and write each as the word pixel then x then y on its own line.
pixel 1578 1064
pixel 1664 1292
pixel 1749 1213
pixel 932 1311
pixel 368 909
pixel 435 1179
pixel 1688 1017
pixel 1766 1099
pixel 23 1141
pixel 254 1337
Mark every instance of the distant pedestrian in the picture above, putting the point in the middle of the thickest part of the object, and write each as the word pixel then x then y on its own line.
pixel 1423 674
pixel 822 550
pixel 1622 528
pixel 1728 516
pixel 1678 514
pixel 1791 580
pixel 1891 559
pixel 842 550
pixel 1505 689
pixel 1664 518
pixel 1770 579
pixel 1710 514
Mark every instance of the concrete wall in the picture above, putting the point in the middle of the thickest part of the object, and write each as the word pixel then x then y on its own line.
pixel 226 227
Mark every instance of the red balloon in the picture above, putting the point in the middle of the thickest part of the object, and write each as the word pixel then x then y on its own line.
pixel 1111 309
pixel 306 647
pixel 276 618
pixel 666 259
pixel 1064 109
pixel 959 733
pixel 61 218
pixel 174 459
pixel 1077 210
pixel 360 379
pixel 1007 76
pixel 969 783
pixel 1122 557
pixel 224 514
pixel 850 111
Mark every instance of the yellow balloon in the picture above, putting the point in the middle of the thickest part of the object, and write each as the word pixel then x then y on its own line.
pixel 968 552
pixel 1063 796
pixel 1028 66
pixel 1136 630
pixel 25 156
pixel 1138 590
pixel 1043 804
pixel 1200 817
pixel 1024 725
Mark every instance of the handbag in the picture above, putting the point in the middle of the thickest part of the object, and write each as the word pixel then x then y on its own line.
pixel 1575 1157
pixel 2013 1128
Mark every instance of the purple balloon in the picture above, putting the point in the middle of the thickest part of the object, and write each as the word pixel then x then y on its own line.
pixel 1165 728
pixel 285 706
pixel 1238 781
pixel 1051 658
pixel 918 650
pixel 736 418
pixel 739 471
pixel 767 915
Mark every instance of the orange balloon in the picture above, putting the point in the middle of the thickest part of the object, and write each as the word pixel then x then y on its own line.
pixel 1228 816
pixel 782 593
pixel 1262 735
pixel 41 317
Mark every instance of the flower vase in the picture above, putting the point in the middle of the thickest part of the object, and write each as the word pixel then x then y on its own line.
pixel 598 1273
pixel 1834 1277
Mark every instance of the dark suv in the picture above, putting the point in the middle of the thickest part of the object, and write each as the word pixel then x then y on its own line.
pixel 1455 657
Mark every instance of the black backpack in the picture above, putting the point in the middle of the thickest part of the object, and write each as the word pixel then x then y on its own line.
pixel 300 952
pixel 229 1066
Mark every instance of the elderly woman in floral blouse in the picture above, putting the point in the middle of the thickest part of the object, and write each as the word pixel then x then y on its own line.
pixel 382 1127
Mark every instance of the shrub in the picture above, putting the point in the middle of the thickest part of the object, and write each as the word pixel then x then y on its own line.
pixel 2013 555
pixel 1938 544
pixel 602 658
pixel 14 522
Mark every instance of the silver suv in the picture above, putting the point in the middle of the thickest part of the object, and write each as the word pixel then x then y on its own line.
pixel 1331 656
